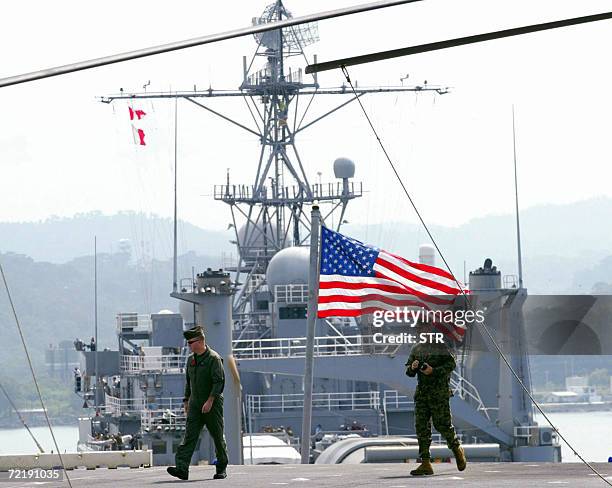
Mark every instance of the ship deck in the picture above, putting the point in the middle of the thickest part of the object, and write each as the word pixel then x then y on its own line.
pixel 343 475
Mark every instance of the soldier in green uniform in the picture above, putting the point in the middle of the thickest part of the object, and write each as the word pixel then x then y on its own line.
pixel 433 364
pixel 203 404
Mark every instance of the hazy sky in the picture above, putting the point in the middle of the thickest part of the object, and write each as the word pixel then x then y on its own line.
pixel 63 152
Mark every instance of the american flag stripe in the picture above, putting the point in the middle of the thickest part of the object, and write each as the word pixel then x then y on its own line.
pixel 433 299
pixel 337 287
pixel 383 285
pixel 389 283
pixel 356 312
pixel 360 306
pixel 425 268
pixel 359 293
pixel 395 300
pixel 425 282
pixel 357 280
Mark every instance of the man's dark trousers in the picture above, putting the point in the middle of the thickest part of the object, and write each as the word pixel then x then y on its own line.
pixel 196 420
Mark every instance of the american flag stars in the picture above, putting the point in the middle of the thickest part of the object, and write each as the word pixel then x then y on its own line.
pixel 345 256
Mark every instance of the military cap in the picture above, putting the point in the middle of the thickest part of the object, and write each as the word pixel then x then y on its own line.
pixel 194 333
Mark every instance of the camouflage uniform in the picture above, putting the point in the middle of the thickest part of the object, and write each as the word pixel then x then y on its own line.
pixel 432 396
pixel 205 377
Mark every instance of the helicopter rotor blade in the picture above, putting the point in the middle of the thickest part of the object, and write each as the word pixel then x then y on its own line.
pixel 461 41
pixel 198 41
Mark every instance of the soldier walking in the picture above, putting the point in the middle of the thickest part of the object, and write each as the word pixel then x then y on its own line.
pixel 433 364
pixel 203 404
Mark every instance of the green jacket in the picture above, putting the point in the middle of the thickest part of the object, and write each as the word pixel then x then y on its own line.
pixel 441 359
pixel 204 377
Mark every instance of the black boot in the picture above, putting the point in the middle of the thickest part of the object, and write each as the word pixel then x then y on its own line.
pixel 177 473
pixel 220 474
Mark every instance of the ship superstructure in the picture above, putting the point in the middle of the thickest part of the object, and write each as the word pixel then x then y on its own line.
pixel 254 311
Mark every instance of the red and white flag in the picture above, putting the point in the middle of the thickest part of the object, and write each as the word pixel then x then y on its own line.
pixel 139 114
pixel 137 132
pixel 139 136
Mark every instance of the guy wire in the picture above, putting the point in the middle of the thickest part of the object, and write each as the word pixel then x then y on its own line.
pixel 25 348
pixel 42 451
pixel 483 325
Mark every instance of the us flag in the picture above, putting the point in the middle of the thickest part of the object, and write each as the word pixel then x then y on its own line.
pixel 357 279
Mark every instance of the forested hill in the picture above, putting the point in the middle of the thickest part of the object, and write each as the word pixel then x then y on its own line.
pixel 55 302
pixel 59 240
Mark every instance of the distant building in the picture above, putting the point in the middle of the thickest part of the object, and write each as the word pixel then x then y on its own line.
pixel 563 397
pixel 577 384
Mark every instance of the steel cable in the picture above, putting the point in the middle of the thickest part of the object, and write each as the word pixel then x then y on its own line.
pixel 25 348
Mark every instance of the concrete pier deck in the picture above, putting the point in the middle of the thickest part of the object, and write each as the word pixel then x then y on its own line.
pixel 340 475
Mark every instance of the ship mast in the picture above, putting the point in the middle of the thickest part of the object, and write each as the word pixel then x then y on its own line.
pixel 269 213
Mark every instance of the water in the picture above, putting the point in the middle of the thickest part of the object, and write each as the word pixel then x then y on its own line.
pixel 13 441
pixel 589 432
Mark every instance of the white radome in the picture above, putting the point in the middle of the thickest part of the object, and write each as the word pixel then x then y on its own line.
pixel 427 254
pixel 289 267
pixel 344 168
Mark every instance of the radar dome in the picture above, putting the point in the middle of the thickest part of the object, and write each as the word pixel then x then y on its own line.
pixel 344 168
pixel 427 254
pixel 289 266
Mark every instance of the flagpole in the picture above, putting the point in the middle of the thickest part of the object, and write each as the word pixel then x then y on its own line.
pixel 174 263
pixel 97 400
pixel 313 295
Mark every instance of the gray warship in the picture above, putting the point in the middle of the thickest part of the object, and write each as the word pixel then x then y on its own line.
pixel 254 314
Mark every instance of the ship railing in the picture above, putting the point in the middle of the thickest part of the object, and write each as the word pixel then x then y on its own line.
pixel 459 385
pixel 291 293
pixel 320 191
pixel 354 400
pixel 166 403
pixel 163 420
pixel 260 76
pixel 136 406
pixel 187 285
pixel 510 281
pixel 394 399
pixel 294 76
pixel 323 346
pixel 123 406
pixel 164 363
pixel 133 322
pixel 467 391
